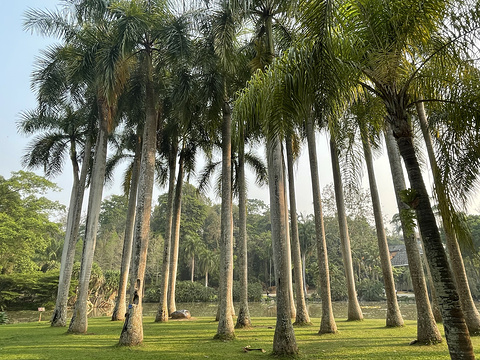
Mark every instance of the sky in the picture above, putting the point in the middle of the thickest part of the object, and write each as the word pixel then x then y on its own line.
pixel 20 49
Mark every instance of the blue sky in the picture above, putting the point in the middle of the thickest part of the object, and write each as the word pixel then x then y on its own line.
pixel 16 64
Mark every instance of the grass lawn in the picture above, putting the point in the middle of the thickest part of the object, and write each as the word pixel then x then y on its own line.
pixel 193 339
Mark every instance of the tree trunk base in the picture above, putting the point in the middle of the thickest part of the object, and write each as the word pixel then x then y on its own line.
pixel 162 315
pixel 59 318
pixel 79 323
pixel 119 313
pixel 132 332
pixel 243 319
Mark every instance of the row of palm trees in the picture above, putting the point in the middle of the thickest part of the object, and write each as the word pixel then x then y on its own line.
pixel 354 68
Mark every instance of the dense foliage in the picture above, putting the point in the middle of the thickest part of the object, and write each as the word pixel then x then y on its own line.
pixel 26 228
pixel 29 290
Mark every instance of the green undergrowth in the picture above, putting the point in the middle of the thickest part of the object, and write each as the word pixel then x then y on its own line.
pixel 193 339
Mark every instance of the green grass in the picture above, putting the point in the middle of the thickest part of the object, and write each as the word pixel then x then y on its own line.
pixel 193 339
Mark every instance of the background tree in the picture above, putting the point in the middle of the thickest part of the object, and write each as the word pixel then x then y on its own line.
pixel 26 221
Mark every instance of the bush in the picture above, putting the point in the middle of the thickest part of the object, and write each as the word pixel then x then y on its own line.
pixel 370 290
pixel 185 291
pixel 338 283
pixel 29 290
pixel 3 318
pixel 255 291
pixel 152 295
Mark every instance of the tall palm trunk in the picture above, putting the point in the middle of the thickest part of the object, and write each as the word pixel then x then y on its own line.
pixel 59 316
pixel 327 324
pixel 456 331
pixel 284 342
pixel 132 332
pixel 302 317
pixel 175 239
pixel 293 310
pixel 354 310
pixel 472 316
pixel 394 317
pixel 120 305
pixel 427 330
pixel 79 322
pixel 437 314
pixel 243 319
pixel 162 313
pixel 192 268
pixel 225 329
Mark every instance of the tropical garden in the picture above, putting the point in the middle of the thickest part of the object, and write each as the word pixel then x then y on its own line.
pixel 156 87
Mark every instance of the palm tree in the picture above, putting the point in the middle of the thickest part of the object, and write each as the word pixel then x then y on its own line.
pixel 327 324
pixel 63 132
pixel 208 261
pixel 472 316
pixel 63 106
pixel 243 319
pixel 379 43
pixel 140 26
pixel 106 107
pixel 175 236
pixel 219 32
pixel 302 317
pixel 99 71
pixel 284 342
pixel 394 317
pixel 120 303
pixel 354 310
pixel 191 246
pixel 427 330
pixel 162 313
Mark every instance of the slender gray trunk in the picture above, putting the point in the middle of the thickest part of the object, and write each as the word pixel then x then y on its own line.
pixel 59 316
pixel 293 310
pixel 225 329
pixel 284 341
pixel 79 322
pixel 120 305
pixel 302 317
pixel 327 324
pixel 354 310
pixel 470 311
pixel 177 213
pixel 427 330
pixel 132 332
pixel 192 268
pixel 243 319
pixel 394 317
pixel 162 313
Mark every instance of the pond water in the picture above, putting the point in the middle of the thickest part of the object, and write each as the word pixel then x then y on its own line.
pixel 371 310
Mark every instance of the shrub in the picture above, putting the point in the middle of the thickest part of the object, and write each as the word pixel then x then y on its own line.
pixel 338 283
pixel 152 295
pixel 370 290
pixel 185 291
pixel 29 290
pixel 3 318
pixel 255 291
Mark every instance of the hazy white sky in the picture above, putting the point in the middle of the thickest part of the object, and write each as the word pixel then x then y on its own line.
pixel 16 63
